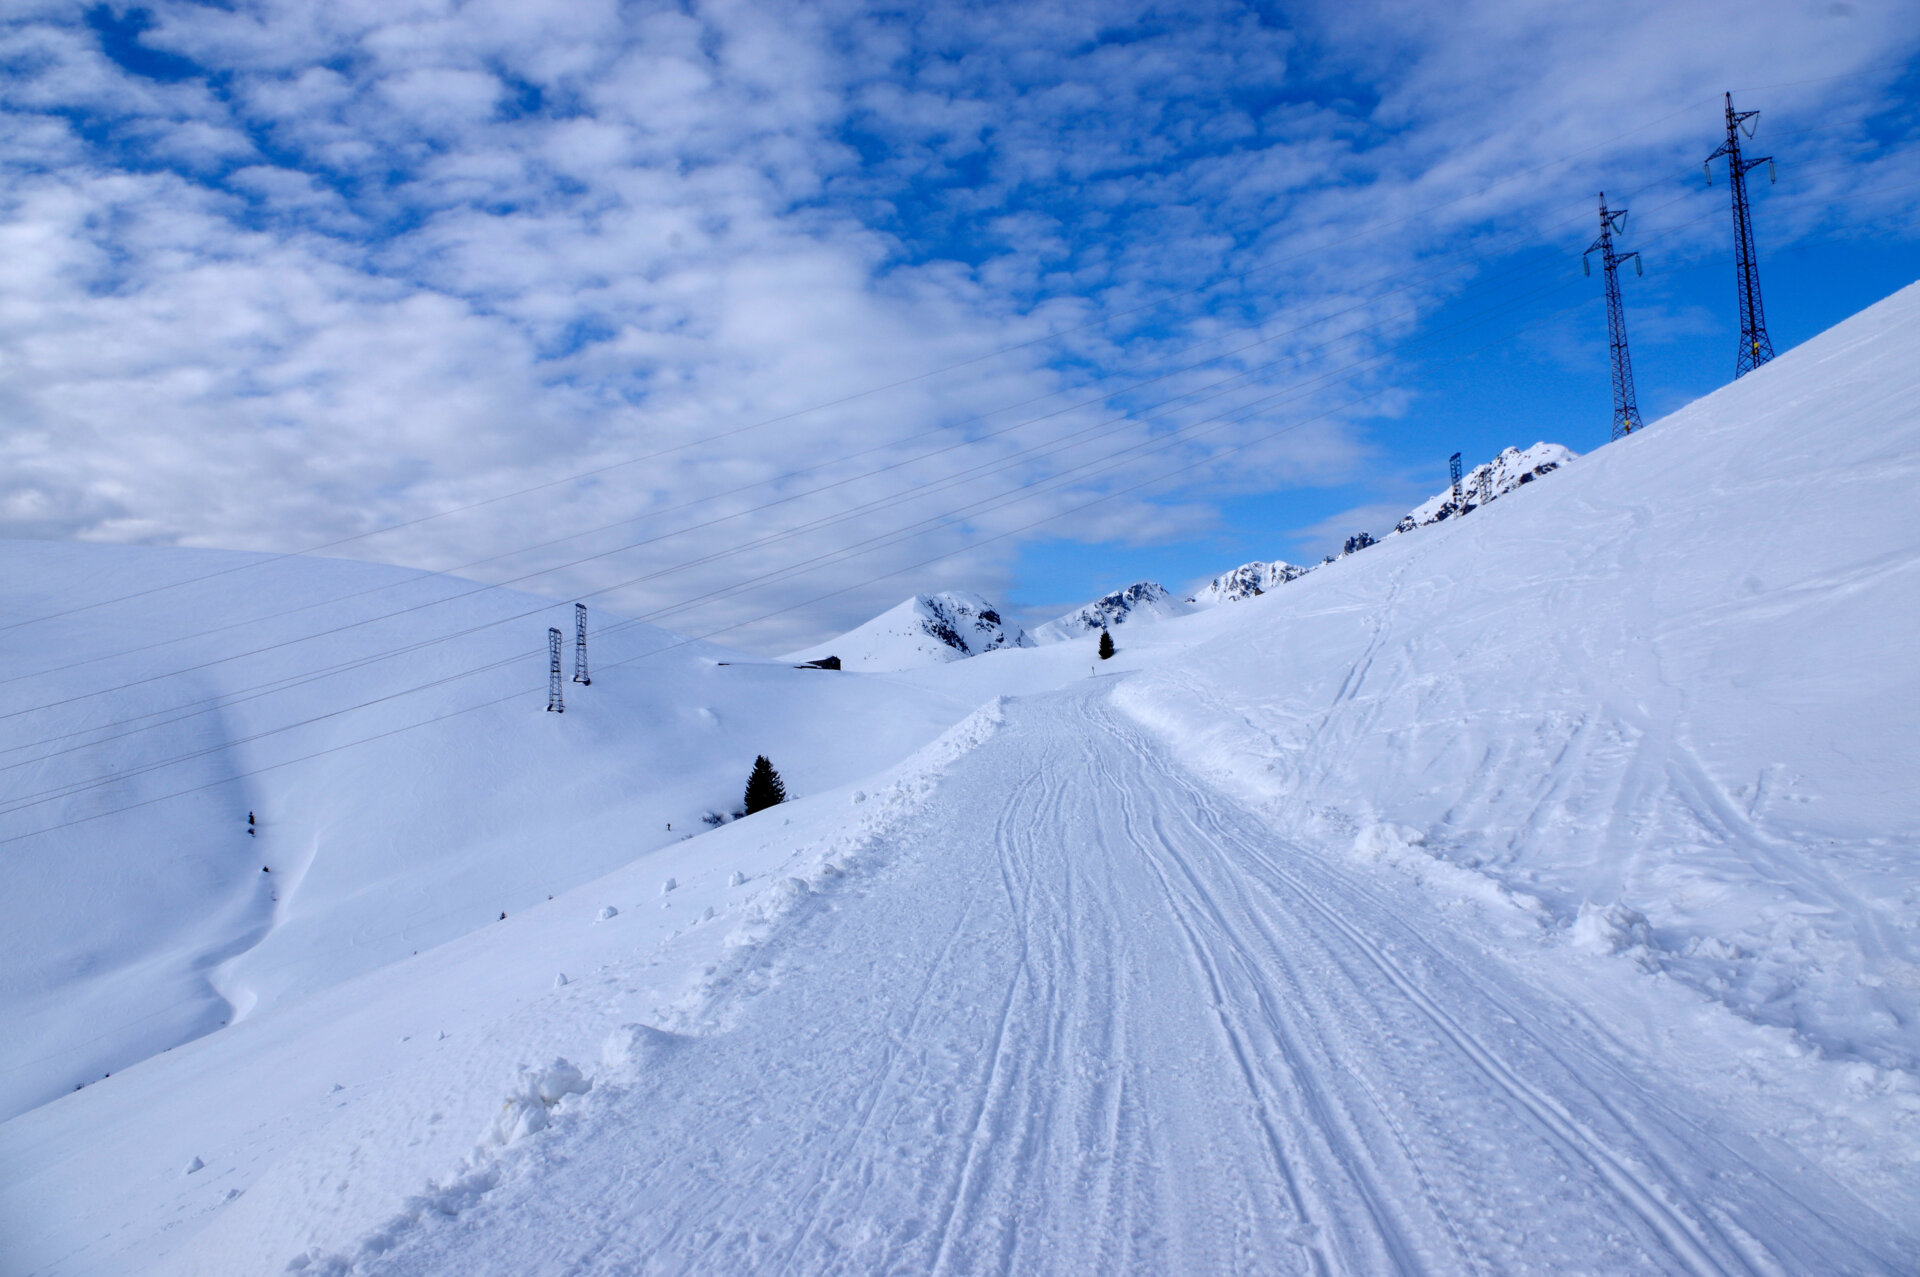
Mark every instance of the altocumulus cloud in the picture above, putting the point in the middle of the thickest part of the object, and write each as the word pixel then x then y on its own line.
pixel 277 274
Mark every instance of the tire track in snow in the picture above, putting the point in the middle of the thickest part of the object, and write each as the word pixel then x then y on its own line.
pixel 1094 1018
pixel 1681 1234
pixel 1281 1157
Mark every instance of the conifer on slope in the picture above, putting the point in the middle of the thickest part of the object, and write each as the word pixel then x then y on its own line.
pixel 764 787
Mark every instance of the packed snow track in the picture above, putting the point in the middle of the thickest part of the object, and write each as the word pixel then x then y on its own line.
pixel 1092 1017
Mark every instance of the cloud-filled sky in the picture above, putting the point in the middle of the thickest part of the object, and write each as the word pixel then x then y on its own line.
pixel 787 310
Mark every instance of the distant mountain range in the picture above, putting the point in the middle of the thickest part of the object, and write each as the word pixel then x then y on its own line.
pixel 930 629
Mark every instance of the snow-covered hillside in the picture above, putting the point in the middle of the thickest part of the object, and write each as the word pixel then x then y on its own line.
pixel 1666 702
pixel 1141 601
pixel 927 629
pixel 140 921
pixel 1536 892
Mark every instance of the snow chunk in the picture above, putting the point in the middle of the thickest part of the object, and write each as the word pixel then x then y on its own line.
pixel 524 1111
pixel 736 879
pixel 637 1047
pixel 606 912
pixel 669 885
pixel 195 1165
pixel 1610 928
pixel 1385 841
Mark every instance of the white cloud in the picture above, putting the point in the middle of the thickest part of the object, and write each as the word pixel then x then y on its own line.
pixel 411 256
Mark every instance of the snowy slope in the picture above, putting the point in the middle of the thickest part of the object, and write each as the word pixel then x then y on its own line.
pixel 1141 601
pixel 1672 694
pixel 142 926
pixel 1535 892
pixel 927 629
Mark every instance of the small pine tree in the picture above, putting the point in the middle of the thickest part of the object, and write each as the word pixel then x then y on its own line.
pixel 764 788
pixel 1106 645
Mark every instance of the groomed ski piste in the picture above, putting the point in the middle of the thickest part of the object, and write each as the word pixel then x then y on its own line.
pixel 1536 891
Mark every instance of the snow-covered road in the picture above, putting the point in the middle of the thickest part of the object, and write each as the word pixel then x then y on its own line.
pixel 1091 1016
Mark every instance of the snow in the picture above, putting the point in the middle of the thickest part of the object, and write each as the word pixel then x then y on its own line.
pixel 1141 601
pixel 1534 891
pixel 142 927
pixel 927 629
pixel 1249 580
pixel 1489 481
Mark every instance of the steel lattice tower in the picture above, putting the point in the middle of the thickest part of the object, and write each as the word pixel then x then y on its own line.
pixel 1755 346
pixel 554 704
pixel 580 645
pixel 1453 469
pixel 1626 408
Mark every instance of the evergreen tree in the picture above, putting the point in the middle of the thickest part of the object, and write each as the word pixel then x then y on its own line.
pixel 764 788
pixel 1106 645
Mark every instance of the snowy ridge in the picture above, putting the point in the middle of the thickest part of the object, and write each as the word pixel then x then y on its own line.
pixel 1248 581
pixel 1489 481
pixel 1141 601
pixel 927 629
pixel 1513 468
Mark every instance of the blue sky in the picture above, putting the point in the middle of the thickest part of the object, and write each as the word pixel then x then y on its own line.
pixel 830 302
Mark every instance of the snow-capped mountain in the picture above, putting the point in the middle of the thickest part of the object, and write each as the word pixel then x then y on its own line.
pixel 927 629
pixel 1247 581
pixel 1490 481
pixel 1141 601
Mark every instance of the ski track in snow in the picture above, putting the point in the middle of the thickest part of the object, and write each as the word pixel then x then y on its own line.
pixel 1123 1026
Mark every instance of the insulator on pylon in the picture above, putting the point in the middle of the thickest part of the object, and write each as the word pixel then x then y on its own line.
pixel 580 645
pixel 555 705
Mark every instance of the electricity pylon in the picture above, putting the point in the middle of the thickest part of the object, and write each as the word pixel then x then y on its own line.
pixel 580 645
pixel 1755 346
pixel 1626 408
pixel 554 704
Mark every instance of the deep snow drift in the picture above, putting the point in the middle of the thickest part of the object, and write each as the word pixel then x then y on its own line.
pixel 1533 891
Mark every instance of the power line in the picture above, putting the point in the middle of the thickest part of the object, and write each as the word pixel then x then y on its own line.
pixel 833 556
pixel 837 555
pixel 681 531
pixel 1241 277
pixel 297 680
pixel 286 683
pixel 682 642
